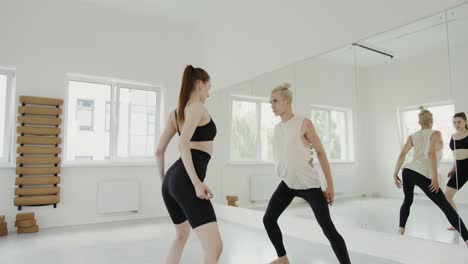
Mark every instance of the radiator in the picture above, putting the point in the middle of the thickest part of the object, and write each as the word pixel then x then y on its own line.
pixel 262 186
pixel 118 196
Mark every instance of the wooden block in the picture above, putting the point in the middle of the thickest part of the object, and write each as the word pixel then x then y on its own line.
pixel 39 120
pixel 38 150
pixel 28 230
pixel 34 140
pixel 37 180
pixel 25 223
pixel 37 200
pixel 31 191
pixel 3 232
pixel 231 198
pixel 2 218
pixel 25 216
pixel 37 160
pixel 40 101
pixel 37 170
pixel 46 111
pixel 38 131
pixel 3 225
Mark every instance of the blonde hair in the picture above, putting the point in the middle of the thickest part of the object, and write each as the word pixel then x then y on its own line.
pixel 284 89
pixel 425 116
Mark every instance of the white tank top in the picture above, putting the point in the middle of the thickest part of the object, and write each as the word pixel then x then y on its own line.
pixel 421 144
pixel 292 157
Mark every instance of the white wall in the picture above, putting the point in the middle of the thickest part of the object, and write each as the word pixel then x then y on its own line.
pixel 44 40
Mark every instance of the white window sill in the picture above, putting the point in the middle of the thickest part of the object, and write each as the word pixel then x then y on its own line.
pixel 339 162
pixel 250 163
pixel 108 164
pixel 270 163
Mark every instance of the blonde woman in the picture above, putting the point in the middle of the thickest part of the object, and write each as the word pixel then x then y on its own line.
pixel 422 171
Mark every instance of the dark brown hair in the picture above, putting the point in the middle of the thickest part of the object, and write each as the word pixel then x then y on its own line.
pixel 462 116
pixel 190 77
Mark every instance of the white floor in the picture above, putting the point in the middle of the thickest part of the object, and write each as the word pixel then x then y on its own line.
pixel 147 242
pixel 382 214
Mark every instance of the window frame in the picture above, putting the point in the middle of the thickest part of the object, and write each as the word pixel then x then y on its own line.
pixel 115 85
pixel 258 153
pixel 9 123
pixel 349 130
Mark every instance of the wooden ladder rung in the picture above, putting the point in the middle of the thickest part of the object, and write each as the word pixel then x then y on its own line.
pixel 37 170
pixel 37 180
pixel 40 101
pixel 39 120
pixel 46 111
pixel 37 160
pixel 36 140
pixel 38 150
pixel 37 200
pixel 39 131
pixel 31 191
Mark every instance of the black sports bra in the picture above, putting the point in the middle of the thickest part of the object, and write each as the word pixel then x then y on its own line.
pixel 459 144
pixel 202 133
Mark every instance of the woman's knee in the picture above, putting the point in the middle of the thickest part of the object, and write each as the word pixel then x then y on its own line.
pixel 219 248
pixel 450 193
pixel 182 234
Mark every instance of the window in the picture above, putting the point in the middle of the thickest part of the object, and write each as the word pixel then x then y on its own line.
pixel 334 127
pixel 85 114
pixel 111 121
pixel 137 122
pixel 6 113
pixel 252 129
pixel 442 115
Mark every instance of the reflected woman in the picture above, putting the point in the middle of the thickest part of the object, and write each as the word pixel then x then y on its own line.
pixel 422 171
pixel 459 145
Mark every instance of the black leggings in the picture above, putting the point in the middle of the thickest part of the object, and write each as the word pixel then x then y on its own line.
pixel 179 194
pixel 461 177
pixel 411 179
pixel 280 200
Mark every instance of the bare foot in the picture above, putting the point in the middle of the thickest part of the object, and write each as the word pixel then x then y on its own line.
pixel 401 231
pixel 280 260
pixel 451 228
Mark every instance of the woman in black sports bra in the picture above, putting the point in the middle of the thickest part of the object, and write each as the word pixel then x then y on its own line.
pixel 459 145
pixel 186 197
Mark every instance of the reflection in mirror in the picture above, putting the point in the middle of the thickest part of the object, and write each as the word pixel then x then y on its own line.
pixel 363 100
pixel 457 27
pixel 417 73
